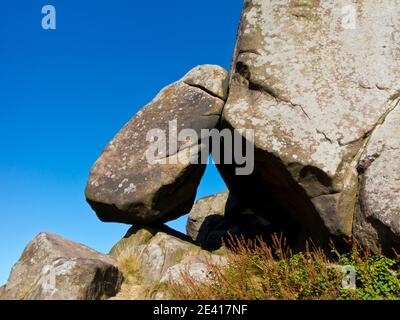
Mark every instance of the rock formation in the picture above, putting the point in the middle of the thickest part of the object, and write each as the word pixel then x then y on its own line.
pixel 156 249
pixel 2 292
pixel 196 266
pixel 124 187
pixel 53 268
pixel 205 213
pixel 215 219
pixel 155 255
pixel 323 99
pixel 377 218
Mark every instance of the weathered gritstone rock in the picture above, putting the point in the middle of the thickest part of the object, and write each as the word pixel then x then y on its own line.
pixel 155 249
pixel 159 255
pixel 53 268
pixel 2 291
pixel 314 90
pixel 205 214
pixel 124 187
pixel 198 267
pixel 378 216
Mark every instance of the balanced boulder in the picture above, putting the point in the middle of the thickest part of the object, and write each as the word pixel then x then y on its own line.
pixel 53 268
pixel 320 90
pixel 126 185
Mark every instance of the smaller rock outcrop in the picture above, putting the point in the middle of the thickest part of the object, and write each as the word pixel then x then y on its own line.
pixel 54 268
pixel 149 173
pixel 150 257
pixel 155 248
pixel 197 267
pixel 214 219
pixel 205 214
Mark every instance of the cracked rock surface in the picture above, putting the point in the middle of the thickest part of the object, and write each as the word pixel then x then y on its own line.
pixel 125 187
pixel 378 215
pixel 316 92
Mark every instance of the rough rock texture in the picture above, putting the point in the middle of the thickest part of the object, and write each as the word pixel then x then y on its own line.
pixel 378 217
pixel 53 268
pixel 152 256
pixel 124 187
pixel 155 249
pixel 321 97
pixel 205 213
pixel 2 291
pixel 198 267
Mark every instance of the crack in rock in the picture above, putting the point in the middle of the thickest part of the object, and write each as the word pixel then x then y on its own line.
pixel 209 92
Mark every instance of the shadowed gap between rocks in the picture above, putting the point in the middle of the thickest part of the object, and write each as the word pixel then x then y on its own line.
pixel 156 228
pixel 271 193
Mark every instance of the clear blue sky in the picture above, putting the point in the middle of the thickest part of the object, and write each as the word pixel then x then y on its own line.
pixel 65 93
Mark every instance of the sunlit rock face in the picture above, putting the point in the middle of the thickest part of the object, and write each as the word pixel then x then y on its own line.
pixel 318 82
pixel 54 268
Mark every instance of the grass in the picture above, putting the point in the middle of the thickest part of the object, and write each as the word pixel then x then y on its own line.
pixel 257 271
pixel 135 286
pixel 130 267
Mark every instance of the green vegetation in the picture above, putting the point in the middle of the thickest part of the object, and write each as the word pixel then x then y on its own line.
pixel 377 277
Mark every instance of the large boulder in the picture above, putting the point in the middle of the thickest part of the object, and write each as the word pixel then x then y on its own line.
pixel 53 268
pixel 320 88
pixel 124 186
